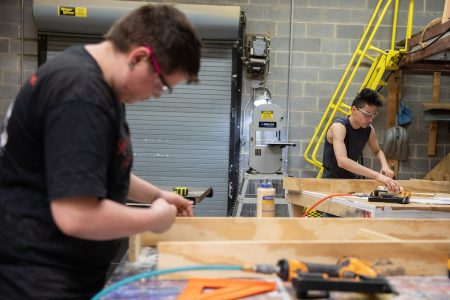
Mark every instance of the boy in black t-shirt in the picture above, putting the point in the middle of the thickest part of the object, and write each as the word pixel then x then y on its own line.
pixel 66 157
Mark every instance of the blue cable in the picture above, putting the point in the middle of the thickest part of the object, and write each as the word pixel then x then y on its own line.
pixel 140 276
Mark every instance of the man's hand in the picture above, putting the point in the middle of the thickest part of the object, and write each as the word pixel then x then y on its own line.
pixel 387 172
pixel 165 213
pixel 184 206
pixel 390 183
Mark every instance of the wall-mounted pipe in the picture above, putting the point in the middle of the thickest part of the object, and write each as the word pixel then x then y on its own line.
pixel 22 47
pixel 212 22
pixel 289 86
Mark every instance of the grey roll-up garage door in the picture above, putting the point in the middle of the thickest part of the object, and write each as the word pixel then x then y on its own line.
pixel 183 139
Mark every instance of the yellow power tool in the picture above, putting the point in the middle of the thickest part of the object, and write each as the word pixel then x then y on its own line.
pixel 382 195
pixel 350 274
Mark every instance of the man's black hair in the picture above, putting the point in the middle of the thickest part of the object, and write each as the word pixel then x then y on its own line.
pixel 367 96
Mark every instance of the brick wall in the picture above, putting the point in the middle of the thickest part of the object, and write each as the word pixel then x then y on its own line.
pixel 325 33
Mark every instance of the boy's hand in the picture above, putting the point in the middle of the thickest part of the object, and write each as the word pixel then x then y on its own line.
pixel 184 206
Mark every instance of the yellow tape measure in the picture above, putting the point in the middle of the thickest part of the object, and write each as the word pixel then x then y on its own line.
pixel 181 190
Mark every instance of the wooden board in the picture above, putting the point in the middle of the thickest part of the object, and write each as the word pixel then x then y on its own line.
pixel 399 247
pixel 436 105
pixel 359 207
pixel 367 234
pixel 394 90
pixel 393 257
pixel 446 12
pixel 134 247
pixel 432 131
pixel 420 53
pixel 430 32
pixel 225 229
pixel 441 171
pixel 360 185
pixel 395 247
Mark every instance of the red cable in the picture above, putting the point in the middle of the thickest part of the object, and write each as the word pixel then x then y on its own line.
pixel 321 200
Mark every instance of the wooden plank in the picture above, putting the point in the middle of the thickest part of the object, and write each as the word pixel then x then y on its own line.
pixel 393 164
pixel 392 257
pixel 134 247
pixel 431 32
pixel 436 115
pixel 360 185
pixel 297 210
pixel 223 229
pixel 441 45
pixel 435 105
pixel 305 199
pixel 446 12
pixel 406 247
pixel 197 194
pixel 441 171
pixel 357 207
pixel 432 131
pixel 394 88
pixel 367 234
pixel 426 67
pixel 393 100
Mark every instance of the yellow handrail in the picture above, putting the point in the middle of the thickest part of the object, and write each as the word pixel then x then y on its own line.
pixel 386 60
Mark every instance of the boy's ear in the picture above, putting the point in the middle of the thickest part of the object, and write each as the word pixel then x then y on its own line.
pixel 138 54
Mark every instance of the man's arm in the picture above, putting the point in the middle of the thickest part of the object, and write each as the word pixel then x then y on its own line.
pixel 145 192
pixel 376 150
pixel 337 132
pixel 142 191
pixel 93 219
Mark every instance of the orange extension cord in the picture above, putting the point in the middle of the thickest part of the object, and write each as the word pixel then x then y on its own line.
pixel 321 200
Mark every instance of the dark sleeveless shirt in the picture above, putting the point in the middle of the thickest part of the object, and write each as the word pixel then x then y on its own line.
pixel 355 140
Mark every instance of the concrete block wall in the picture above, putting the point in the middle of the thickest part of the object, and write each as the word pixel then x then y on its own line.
pixel 15 67
pixel 324 35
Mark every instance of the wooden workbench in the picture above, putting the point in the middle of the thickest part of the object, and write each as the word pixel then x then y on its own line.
pixel 412 246
pixel 408 287
pixel 304 192
pixel 413 254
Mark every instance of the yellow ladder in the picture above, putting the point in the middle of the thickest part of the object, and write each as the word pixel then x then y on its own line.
pixel 386 60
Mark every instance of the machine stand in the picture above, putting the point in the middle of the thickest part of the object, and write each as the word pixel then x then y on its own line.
pixel 242 199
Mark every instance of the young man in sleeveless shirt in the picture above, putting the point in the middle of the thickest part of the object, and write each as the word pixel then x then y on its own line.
pixel 346 138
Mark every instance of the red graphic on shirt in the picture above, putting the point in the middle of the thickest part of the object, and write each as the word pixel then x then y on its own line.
pixel 122 146
pixel 123 150
pixel 33 79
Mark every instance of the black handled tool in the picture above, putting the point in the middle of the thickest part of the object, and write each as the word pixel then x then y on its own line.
pixel 350 274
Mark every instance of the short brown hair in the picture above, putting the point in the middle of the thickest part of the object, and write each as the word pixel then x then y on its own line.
pixel 167 30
